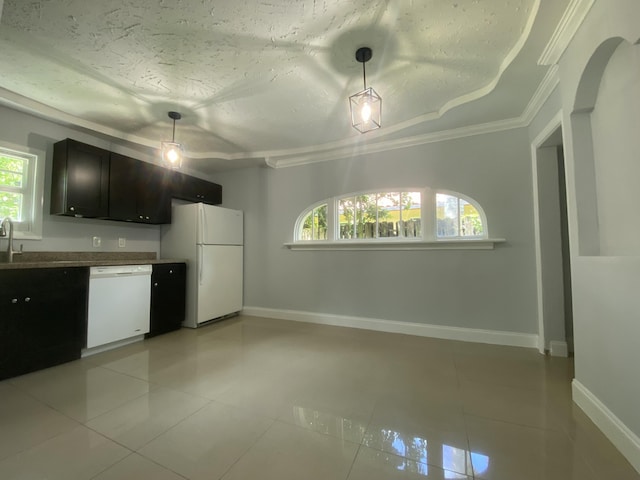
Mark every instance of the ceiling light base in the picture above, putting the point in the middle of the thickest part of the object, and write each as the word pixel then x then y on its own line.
pixel 363 54
pixel 366 110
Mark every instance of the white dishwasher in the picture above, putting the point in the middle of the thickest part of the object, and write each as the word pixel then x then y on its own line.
pixel 119 303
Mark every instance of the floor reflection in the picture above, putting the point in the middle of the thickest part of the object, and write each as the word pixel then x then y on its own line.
pixel 407 453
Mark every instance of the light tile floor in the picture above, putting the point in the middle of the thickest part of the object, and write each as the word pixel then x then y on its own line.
pixel 252 398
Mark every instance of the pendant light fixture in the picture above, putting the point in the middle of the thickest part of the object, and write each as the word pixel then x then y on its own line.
pixel 366 106
pixel 172 151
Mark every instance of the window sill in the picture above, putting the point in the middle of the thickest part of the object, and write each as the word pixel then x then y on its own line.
pixel 470 244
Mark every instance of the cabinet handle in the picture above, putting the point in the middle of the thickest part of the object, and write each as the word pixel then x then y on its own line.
pixel 27 299
pixel 155 284
pixel 170 271
pixel 72 209
pixel 14 300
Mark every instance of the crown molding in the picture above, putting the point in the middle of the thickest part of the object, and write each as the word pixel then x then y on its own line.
pixel 548 84
pixel 571 20
pixel 443 135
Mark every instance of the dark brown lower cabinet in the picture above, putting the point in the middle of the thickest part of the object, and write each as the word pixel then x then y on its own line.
pixel 168 291
pixel 43 321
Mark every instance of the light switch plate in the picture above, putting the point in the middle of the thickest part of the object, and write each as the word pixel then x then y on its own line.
pixel 122 242
pixel 97 241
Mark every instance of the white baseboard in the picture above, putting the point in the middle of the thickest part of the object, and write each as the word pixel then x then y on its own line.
pixel 624 439
pixel 424 330
pixel 558 348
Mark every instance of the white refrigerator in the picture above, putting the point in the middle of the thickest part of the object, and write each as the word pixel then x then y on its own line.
pixel 210 239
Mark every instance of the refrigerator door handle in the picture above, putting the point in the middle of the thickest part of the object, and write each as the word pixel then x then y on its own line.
pixel 200 263
pixel 203 229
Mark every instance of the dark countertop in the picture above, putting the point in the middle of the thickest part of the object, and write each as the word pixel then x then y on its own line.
pixel 81 259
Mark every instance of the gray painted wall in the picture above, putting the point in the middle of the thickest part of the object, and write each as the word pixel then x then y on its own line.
pixel 477 289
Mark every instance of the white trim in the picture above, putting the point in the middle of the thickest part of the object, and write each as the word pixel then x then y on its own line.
pixel 550 81
pixel 547 131
pixel 494 337
pixel 614 429
pixel 377 244
pixel 35 190
pixel 386 145
pixel 558 348
pixel 571 20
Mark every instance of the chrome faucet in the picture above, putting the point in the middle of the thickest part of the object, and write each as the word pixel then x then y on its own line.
pixel 3 233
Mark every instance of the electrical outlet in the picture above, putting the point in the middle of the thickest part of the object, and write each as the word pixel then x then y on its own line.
pixel 122 242
pixel 97 241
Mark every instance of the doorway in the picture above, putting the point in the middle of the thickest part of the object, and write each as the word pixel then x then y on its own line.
pixel 553 261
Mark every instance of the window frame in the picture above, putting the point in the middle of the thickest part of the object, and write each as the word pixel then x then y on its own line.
pixel 400 238
pixel 429 222
pixel 30 228
pixel 301 218
pixel 469 200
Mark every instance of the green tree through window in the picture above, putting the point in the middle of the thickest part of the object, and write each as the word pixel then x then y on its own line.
pixel 314 226
pixel 13 171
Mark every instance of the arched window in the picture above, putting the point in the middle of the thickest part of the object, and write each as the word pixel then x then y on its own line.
pixel 458 217
pixel 313 224
pixel 393 215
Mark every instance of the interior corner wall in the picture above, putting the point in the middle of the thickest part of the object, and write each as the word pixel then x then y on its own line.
pixel 606 319
pixel 68 233
pixel 492 289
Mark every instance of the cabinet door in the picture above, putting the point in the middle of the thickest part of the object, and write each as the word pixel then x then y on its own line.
pixel 195 189
pixel 43 318
pixel 10 320
pixel 54 316
pixel 80 180
pixel 138 191
pixel 122 188
pixel 154 193
pixel 168 283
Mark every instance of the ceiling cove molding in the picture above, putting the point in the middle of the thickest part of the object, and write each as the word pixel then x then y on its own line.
pixel 348 144
pixel 548 84
pixel 571 20
pixel 468 131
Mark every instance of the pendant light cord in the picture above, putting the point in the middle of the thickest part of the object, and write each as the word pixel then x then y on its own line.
pixel 364 74
pixel 173 136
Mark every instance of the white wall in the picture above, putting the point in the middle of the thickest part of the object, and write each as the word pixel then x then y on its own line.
pixel 492 290
pixel 615 124
pixel 65 233
pixel 600 86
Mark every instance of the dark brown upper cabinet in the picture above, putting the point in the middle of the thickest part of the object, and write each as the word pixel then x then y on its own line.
pixel 88 181
pixel 80 180
pixel 194 189
pixel 139 191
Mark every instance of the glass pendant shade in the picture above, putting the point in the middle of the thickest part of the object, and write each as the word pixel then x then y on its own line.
pixel 172 155
pixel 366 110
pixel 172 151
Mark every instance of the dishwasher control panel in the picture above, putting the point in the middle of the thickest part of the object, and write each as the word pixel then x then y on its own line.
pixel 115 270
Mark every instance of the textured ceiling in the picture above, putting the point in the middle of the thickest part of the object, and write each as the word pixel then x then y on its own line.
pixel 257 79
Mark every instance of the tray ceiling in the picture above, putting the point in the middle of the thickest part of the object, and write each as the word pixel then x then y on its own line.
pixel 264 80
